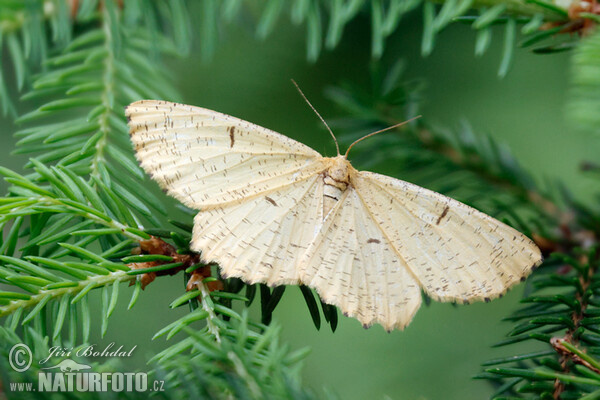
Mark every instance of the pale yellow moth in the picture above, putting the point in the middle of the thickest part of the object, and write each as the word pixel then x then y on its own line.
pixel 275 211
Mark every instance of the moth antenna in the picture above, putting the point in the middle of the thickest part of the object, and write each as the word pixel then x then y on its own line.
pixel 337 146
pixel 379 131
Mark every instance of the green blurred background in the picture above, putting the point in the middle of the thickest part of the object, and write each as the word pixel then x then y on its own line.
pixel 437 355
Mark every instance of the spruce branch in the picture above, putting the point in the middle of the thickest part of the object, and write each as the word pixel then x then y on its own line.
pixel 27 44
pixel 544 23
pixel 77 200
pixel 551 10
pixel 107 95
pixel 572 336
pixel 250 362
pixel 67 195
pixel 208 308
pixel 561 310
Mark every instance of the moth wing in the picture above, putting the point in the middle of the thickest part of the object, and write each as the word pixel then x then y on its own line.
pixel 352 265
pixel 262 239
pixel 205 158
pixel 455 252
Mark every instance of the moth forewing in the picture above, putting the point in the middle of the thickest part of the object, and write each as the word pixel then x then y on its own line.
pixel 206 159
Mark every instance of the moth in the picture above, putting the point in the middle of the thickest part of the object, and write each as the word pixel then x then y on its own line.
pixel 273 210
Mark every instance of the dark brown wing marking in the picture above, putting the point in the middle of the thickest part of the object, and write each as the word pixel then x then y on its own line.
pixel 270 200
pixel 231 136
pixel 442 215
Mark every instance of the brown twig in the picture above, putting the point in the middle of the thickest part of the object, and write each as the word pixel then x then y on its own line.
pixel 558 345
pixel 160 247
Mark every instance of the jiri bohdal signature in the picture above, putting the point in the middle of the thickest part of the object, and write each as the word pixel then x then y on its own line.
pixel 89 351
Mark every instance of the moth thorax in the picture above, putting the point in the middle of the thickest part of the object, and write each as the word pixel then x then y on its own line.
pixel 339 171
pixel 336 182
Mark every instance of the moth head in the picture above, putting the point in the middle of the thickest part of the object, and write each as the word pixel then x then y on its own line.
pixel 340 169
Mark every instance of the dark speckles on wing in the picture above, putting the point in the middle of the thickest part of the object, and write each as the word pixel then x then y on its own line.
pixel 442 215
pixel 231 136
pixel 270 200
